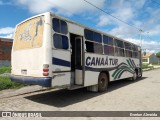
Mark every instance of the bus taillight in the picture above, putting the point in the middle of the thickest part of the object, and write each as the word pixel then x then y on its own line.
pixel 45 70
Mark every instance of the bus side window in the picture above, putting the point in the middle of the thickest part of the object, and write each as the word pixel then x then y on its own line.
pixel 60 41
pixel 94 47
pixel 59 26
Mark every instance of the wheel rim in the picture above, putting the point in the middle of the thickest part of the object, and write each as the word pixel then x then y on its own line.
pixel 103 83
pixel 134 76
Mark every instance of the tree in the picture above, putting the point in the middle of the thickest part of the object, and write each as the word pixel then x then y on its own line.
pixel 158 56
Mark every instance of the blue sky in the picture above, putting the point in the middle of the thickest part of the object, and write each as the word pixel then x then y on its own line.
pixel 141 14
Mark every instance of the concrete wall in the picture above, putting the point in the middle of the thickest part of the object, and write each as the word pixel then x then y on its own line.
pixel 5 63
pixel 153 59
pixel 5 51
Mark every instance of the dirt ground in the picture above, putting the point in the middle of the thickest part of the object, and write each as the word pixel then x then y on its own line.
pixel 122 95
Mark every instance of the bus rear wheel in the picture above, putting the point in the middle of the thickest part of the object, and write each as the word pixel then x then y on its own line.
pixel 134 77
pixel 102 82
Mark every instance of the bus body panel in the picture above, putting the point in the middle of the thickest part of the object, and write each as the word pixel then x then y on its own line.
pixel 28 64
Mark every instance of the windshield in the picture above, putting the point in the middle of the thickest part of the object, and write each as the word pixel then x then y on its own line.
pixel 29 34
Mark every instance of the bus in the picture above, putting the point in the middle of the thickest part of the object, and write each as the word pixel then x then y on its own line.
pixel 55 52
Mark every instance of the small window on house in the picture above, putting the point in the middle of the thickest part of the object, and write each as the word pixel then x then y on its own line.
pixel 60 41
pixel 59 26
pixel 144 60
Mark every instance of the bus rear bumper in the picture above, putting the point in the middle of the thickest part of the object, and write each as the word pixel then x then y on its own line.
pixel 42 81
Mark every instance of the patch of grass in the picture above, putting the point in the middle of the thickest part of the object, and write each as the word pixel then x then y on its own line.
pixel 5 70
pixel 6 83
pixel 145 66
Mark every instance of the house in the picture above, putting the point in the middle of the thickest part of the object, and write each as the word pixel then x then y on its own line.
pixel 5 51
pixel 149 58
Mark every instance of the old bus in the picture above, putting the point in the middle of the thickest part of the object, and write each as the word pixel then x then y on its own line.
pixel 52 51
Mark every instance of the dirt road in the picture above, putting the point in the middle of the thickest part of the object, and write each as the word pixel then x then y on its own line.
pixel 123 95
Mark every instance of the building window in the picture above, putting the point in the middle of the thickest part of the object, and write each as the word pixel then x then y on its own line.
pixel 144 60
pixel 93 47
pixel 59 26
pixel 109 50
pixel 60 41
pixel 93 36
pixel 107 40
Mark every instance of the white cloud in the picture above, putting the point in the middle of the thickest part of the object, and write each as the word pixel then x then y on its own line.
pixel 66 7
pixel 7 36
pixel 7 30
pixel 124 14
pixel 103 20
pixel 149 46
pixel 1 3
pixel 123 31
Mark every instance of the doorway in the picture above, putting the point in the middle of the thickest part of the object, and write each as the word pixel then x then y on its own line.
pixel 77 58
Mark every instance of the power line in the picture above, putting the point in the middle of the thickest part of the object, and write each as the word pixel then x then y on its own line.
pixel 112 15
pixel 77 16
pixel 139 29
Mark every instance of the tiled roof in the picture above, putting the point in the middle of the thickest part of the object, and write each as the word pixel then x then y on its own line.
pixel 147 55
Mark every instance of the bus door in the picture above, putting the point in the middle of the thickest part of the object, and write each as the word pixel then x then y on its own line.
pixel 76 59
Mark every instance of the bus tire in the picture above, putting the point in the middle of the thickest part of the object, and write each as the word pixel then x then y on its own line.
pixel 134 77
pixel 102 82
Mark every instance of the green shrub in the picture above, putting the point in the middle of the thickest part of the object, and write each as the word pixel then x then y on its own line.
pixel 145 66
pixel 6 83
pixel 5 70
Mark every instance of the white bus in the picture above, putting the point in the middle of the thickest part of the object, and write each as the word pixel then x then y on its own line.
pixel 52 51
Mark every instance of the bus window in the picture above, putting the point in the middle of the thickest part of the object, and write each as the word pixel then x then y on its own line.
pixel 107 40
pixel 60 41
pixel 59 26
pixel 109 50
pixel 97 37
pixel 94 47
pixel 135 55
pixel 93 36
pixel 29 34
pixel 119 43
pixel 128 53
pixel 119 52
pixel 128 46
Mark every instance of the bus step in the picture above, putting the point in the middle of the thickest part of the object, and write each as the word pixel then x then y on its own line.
pixel 75 87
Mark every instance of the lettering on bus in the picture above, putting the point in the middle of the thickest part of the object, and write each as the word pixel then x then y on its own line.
pixel 100 61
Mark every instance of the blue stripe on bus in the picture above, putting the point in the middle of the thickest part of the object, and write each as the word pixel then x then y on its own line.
pixel 57 61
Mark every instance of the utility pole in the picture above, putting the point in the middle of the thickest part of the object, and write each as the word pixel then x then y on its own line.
pixel 140 30
pixel 141 37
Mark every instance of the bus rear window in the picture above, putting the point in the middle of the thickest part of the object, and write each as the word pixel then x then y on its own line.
pixel 29 34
